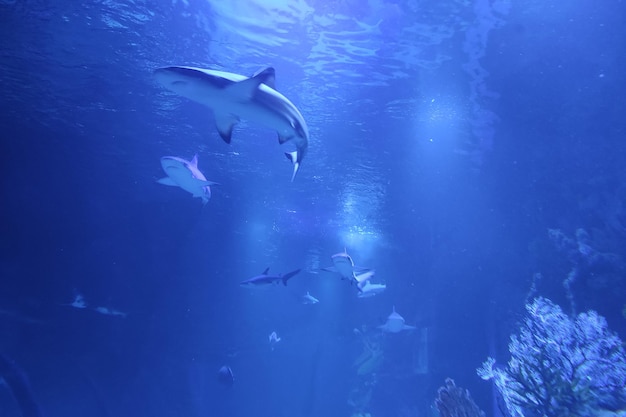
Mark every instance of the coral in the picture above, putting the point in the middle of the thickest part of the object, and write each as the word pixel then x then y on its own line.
pixel 453 401
pixel 561 366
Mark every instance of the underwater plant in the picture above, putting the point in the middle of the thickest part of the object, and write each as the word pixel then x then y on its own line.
pixel 453 401
pixel 561 366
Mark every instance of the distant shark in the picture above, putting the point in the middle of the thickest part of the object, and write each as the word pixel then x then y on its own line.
pixel 186 175
pixel 395 323
pixel 233 97
pixel 110 312
pixel 309 299
pixel 79 302
pixel 266 279
pixel 369 290
pixel 344 266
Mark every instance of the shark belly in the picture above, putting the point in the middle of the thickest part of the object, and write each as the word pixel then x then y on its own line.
pixel 233 97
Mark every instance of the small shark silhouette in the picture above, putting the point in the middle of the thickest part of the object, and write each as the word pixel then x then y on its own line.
pixel 79 302
pixel 369 290
pixel 186 175
pixel 273 337
pixel 233 97
pixel 110 312
pixel 395 323
pixel 265 278
pixel 344 266
pixel 309 299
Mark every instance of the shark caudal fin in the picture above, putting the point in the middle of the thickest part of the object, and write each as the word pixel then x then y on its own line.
pixel 293 157
pixel 288 275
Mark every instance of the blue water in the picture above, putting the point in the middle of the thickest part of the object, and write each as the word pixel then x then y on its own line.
pixel 446 139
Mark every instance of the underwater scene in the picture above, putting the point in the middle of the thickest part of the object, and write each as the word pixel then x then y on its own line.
pixel 313 208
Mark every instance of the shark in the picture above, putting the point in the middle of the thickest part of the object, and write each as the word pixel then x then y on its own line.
pixel 186 175
pixel 79 302
pixel 309 299
pixel 395 323
pixel 266 279
pixel 344 266
pixel 234 97
pixel 365 285
pixel 369 290
pixel 110 312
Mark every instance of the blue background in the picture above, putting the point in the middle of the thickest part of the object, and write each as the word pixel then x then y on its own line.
pixel 447 138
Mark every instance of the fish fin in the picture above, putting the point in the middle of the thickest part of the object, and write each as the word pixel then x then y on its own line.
pixel 194 161
pixel 288 275
pixel 266 271
pixel 293 157
pixel 225 124
pixel 363 278
pixel 282 139
pixel 167 181
pixel 269 76
pixel 245 89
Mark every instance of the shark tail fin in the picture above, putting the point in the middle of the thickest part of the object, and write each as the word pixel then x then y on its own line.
pixel 288 275
pixel 293 157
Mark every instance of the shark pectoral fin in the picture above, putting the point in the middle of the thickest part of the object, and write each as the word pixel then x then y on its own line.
pixel 293 157
pixel 282 139
pixel 225 124
pixel 269 76
pixel 194 161
pixel 167 181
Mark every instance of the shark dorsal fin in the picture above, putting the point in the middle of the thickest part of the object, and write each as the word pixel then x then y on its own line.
pixel 268 74
pixel 194 161
pixel 266 271
pixel 245 89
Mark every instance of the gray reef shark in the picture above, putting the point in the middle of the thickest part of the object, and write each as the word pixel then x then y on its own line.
pixel 344 266
pixel 395 323
pixel 369 290
pixel 186 175
pixel 79 302
pixel 266 279
pixel 110 312
pixel 309 299
pixel 233 97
